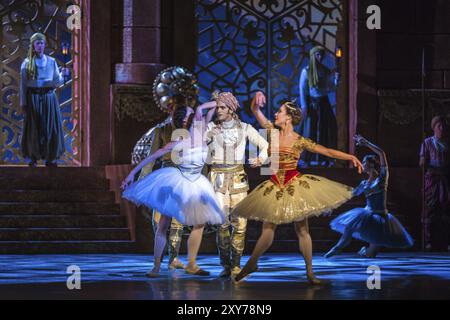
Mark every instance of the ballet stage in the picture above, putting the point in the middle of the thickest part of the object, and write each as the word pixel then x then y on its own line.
pixel 281 277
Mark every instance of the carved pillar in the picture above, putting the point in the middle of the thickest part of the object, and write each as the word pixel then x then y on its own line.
pixel 144 30
pixel 142 42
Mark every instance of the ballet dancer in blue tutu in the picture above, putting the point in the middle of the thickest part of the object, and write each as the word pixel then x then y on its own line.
pixel 373 224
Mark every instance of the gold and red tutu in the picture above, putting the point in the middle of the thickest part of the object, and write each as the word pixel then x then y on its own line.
pixel 290 196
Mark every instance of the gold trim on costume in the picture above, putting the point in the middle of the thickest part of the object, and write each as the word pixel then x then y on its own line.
pixel 225 169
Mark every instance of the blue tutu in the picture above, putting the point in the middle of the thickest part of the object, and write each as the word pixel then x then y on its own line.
pixel 378 229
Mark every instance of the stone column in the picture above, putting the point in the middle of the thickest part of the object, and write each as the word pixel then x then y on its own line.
pixel 144 46
pixel 142 39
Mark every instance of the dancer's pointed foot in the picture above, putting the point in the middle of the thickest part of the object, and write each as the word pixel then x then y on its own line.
pixel 332 252
pixel 154 273
pixel 226 272
pixel 366 253
pixel 245 272
pixel 313 280
pixel 196 271
pixel 363 252
pixel 235 271
pixel 176 264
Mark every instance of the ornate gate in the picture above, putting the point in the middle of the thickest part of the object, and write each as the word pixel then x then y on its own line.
pixel 251 45
pixel 20 19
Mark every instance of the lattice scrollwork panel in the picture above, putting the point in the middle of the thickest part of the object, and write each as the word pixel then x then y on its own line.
pixel 250 45
pixel 20 19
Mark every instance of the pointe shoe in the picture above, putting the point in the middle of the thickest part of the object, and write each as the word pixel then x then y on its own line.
pixel 226 272
pixel 313 280
pixel 176 264
pixel 235 271
pixel 152 274
pixel 246 271
pixel 197 271
pixel 363 253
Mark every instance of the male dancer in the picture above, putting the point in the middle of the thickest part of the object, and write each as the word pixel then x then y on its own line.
pixel 228 138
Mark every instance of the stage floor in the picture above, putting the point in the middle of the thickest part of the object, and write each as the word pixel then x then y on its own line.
pixel 281 276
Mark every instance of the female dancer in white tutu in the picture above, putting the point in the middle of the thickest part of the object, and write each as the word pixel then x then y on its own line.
pixel 290 196
pixel 373 223
pixel 180 192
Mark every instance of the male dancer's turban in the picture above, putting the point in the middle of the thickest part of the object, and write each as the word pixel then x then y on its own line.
pixel 313 76
pixel 228 99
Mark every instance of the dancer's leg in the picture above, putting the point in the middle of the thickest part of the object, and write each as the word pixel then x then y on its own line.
pixel 305 242
pixel 223 237
pixel 194 241
pixel 160 244
pixel 343 242
pixel 175 237
pixel 239 228
pixel 264 243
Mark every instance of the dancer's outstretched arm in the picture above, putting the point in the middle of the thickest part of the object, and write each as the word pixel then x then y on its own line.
pixel 363 142
pixel 157 154
pixel 336 154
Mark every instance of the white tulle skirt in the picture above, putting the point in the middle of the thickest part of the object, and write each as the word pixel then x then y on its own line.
pixel 169 191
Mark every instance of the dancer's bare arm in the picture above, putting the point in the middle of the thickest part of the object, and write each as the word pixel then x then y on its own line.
pixel 336 154
pixel 259 100
pixel 157 154
pixel 363 142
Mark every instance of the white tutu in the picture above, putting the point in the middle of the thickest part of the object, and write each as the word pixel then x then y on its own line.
pixel 178 195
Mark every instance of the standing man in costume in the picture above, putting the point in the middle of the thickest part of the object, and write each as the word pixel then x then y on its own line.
pixel 319 123
pixel 228 138
pixel 43 134
pixel 168 93
pixel 435 158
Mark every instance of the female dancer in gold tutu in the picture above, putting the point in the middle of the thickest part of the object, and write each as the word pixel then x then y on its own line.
pixel 290 196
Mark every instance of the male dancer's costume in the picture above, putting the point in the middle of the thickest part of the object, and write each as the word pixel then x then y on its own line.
pixel 227 151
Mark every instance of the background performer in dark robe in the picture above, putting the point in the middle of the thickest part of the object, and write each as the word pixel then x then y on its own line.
pixel 43 135
pixel 319 123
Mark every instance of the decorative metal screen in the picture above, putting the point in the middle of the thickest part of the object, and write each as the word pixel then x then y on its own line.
pixel 20 19
pixel 250 45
